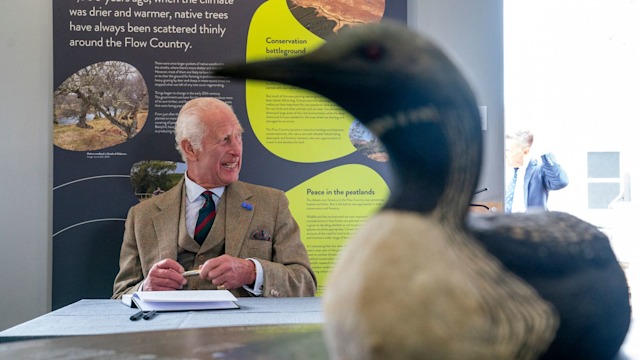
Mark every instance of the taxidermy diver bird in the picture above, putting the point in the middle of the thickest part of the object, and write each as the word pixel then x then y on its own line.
pixel 421 279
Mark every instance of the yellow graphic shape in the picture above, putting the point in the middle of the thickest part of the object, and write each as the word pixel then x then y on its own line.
pixel 294 124
pixel 330 207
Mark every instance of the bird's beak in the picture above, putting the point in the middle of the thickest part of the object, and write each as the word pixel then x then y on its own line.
pixel 291 71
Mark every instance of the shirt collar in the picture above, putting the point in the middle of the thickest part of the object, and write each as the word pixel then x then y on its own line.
pixel 194 190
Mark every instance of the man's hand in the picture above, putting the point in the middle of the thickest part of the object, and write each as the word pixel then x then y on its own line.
pixel 164 275
pixel 229 271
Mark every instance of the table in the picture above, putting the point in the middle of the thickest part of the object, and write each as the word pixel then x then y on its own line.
pixel 265 328
pixel 277 342
pixel 98 317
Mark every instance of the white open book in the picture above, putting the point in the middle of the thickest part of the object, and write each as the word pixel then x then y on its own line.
pixel 182 300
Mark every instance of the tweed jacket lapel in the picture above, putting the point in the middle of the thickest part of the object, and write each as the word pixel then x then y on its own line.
pixel 232 220
pixel 166 222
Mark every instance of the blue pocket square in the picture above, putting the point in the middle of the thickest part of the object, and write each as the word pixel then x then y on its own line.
pixel 261 235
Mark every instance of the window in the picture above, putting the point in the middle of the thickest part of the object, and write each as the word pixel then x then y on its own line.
pixel 603 178
pixel 572 76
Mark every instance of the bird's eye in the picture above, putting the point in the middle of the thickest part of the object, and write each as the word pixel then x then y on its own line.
pixel 373 52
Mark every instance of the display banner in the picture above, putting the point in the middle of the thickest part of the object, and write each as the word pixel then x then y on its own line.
pixel 122 71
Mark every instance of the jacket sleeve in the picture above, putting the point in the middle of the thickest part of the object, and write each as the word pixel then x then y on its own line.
pixel 289 272
pixel 554 176
pixel 130 276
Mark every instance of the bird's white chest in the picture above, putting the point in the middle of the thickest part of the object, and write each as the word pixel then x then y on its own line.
pixel 407 280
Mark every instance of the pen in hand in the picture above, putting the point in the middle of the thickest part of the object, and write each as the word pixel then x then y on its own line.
pixel 191 273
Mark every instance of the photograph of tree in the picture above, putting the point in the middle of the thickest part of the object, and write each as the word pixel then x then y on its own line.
pixel 102 105
pixel 366 143
pixel 153 177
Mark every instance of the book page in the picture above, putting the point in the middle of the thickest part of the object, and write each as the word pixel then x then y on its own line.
pixel 185 300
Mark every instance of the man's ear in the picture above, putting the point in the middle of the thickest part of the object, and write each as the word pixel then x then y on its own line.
pixel 526 150
pixel 188 150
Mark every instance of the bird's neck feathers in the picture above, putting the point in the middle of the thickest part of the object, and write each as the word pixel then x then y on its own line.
pixel 464 135
pixel 435 154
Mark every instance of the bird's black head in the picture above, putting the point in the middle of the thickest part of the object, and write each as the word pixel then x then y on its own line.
pixel 407 92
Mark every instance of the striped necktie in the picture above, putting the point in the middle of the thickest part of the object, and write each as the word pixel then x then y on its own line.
pixel 510 191
pixel 206 215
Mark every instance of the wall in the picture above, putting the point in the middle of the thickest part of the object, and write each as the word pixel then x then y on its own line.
pixel 26 161
pixel 469 30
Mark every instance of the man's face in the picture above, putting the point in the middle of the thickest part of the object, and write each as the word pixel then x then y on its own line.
pixel 219 161
pixel 514 153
